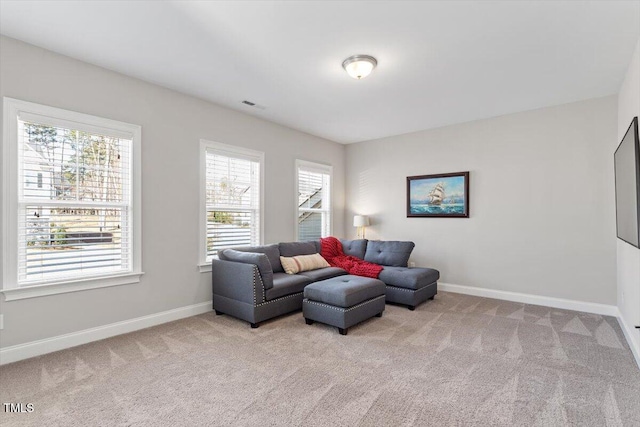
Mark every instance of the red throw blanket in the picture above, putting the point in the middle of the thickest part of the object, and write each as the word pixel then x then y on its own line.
pixel 331 250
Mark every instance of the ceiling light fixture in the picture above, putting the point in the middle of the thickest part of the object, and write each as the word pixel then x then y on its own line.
pixel 359 66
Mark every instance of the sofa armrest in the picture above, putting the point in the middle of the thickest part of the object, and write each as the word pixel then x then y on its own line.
pixel 237 280
pixel 260 260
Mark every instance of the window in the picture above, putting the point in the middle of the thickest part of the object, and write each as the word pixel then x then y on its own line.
pixel 231 206
pixel 314 200
pixel 78 227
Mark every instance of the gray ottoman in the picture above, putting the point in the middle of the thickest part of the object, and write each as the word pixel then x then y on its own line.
pixel 410 286
pixel 343 301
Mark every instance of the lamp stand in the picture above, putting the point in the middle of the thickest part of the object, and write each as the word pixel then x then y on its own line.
pixel 360 232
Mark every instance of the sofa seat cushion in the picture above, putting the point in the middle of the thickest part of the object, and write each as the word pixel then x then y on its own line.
pixel 391 253
pixel 286 284
pixel 323 273
pixel 344 291
pixel 409 278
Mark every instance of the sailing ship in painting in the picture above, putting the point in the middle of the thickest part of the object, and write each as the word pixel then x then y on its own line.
pixel 437 196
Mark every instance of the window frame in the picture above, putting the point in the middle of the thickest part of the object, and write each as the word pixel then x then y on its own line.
pixel 230 151
pixel 318 168
pixel 13 110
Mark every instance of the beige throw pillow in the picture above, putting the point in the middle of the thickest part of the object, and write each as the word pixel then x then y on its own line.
pixel 296 264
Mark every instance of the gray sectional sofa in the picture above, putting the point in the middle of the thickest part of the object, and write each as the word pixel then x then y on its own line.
pixel 249 282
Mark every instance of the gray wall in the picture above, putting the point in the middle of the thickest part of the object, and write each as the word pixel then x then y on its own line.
pixel 542 212
pixel 172 125
pixel 628 257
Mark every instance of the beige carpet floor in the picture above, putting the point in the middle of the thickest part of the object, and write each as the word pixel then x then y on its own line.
pixel 458 360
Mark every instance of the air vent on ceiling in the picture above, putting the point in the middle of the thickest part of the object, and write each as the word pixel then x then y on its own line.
pixel 253 104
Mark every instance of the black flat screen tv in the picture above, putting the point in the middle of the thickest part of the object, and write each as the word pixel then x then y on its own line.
pixel 627 173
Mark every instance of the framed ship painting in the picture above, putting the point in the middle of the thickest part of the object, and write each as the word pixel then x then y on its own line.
pixel 444 195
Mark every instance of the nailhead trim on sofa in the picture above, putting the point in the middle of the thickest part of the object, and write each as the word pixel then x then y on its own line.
pixel 344 310
pixel 256 273
pixel 408 290
pixel 279 299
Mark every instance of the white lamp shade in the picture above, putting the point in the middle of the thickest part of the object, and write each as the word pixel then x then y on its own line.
pixel 360 221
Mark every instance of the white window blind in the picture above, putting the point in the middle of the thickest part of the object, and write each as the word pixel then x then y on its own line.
pixel 71 198
pixel 76 221
pixel 232 198
pixel 314 201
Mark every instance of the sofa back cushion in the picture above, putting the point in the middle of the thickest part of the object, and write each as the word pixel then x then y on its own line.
pixel 290 249
pixel 391 253
pixel 356 248
pixel 261 260
pixel 271 251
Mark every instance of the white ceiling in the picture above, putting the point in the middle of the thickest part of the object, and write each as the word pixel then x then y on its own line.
pixel 439 62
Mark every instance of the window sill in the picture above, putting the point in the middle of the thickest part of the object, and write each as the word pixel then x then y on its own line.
pixel 205 268
pixel 36 291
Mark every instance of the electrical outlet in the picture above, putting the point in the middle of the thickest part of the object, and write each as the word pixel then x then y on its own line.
pixel 412 264
pixel 1 321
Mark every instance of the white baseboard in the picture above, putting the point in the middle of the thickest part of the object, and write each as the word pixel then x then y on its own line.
pixel 629 332
pixel 61 342
pixel 567 304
